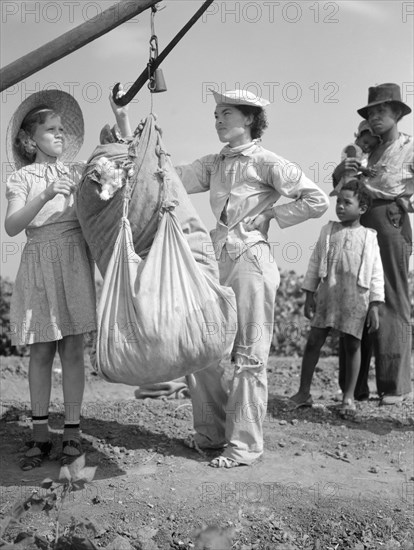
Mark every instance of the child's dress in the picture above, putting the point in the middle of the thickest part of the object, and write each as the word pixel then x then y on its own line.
pixel 54 292
pixel 345 270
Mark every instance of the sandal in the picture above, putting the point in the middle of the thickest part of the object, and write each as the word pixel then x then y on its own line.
pixel 293 405
pixel 224 462
pixel 348 409
pixel 37 451
pixel 71 450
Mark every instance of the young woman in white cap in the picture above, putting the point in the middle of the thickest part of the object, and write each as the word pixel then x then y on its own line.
pixel 391 187
pixel 245 182
pixel 53 302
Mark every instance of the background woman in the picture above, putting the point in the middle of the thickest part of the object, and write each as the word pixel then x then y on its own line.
pixel 391 189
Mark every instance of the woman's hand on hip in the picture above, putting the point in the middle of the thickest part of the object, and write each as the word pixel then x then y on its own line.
pixel 259 221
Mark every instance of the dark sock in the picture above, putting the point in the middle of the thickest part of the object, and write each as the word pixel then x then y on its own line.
pixel 40 428
pixel 71 431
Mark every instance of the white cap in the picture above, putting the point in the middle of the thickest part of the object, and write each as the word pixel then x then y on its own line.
pixel 239 97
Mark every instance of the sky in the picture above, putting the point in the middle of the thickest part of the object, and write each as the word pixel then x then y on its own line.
pixel 313 60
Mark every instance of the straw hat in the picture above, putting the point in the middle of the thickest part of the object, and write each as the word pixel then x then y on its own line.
pixel 239 97
pixel 384 93
pixel 72 119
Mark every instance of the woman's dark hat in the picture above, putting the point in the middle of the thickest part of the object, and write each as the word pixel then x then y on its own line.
pixel 384 93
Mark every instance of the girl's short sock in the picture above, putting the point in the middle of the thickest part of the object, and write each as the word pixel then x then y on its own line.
pixel 71 432
pixel 40 428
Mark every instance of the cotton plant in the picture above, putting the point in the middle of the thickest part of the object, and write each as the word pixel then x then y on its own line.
pixel 77 534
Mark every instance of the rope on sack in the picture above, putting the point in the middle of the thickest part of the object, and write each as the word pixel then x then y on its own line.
pixel 168 203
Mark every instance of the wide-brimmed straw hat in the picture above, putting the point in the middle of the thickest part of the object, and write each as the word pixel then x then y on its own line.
pixel 72 120
pixel 239 97
pixel 384 93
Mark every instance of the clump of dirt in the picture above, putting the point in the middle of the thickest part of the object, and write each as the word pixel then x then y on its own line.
pixel 324 482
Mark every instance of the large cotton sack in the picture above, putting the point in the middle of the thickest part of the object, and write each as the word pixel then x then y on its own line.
pixel 162 312
pixel 162 317
pixel 100 219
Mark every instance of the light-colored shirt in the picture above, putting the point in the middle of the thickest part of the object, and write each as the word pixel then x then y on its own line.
pixel 366 269
pixel 245 181
pixel 28 182
pixel 395 172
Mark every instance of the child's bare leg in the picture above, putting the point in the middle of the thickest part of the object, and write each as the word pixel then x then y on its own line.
pixel 73 380
pixel 353 363
pixel 40 384
pixel 316 340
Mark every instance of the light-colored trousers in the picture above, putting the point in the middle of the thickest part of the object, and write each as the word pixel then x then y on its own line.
pixel 233 417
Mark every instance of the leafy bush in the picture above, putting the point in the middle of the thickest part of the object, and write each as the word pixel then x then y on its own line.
pixel 6 289
pixel 290 332
pixel 291 326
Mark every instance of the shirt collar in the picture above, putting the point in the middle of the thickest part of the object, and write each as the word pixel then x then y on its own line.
pixel 246 149
pixel 39 168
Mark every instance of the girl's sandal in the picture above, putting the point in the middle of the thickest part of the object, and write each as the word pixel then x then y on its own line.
pixel 37 451
pixel 71 450
pixel 348 409
pixel 224 462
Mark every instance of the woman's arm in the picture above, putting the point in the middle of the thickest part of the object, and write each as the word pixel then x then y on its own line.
pixel 349 166
pixel 338 173
pixel 121 115
pixel 309 201
pixel 196 176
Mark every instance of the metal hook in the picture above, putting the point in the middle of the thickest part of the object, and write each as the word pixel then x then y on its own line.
pixel 143 77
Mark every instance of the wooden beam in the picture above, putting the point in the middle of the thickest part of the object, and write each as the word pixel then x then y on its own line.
pixel 71 41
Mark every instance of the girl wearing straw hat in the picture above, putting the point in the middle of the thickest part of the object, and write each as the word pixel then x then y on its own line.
pixel 245 182
pixel 53 302
pixel 391 186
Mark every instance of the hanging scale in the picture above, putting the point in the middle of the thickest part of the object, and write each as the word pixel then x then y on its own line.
pixel 156 79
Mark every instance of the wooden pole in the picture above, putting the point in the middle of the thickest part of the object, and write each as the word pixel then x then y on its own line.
pixel 71 41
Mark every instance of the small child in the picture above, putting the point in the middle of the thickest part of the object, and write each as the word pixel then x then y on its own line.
pixel 344 286
pixel 364 143
pixel 53 303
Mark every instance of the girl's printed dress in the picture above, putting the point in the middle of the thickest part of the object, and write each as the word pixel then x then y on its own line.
pixel 346 272
pixel 54 291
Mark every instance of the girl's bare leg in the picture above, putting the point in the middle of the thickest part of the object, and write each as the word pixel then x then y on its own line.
pixel 316 340
pixel 353 363
pixel 73 380
pixel 40 384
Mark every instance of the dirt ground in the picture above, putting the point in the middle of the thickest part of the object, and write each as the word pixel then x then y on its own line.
pixel 324 483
